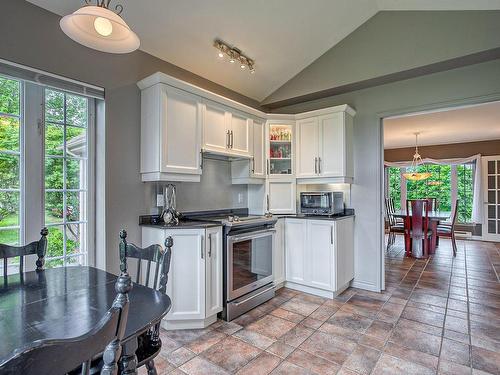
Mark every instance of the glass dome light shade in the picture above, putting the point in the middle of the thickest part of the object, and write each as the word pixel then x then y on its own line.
pixel 89 27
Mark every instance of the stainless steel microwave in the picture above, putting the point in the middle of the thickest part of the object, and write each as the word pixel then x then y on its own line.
pixel 322 203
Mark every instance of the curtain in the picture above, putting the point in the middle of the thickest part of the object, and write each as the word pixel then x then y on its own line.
pixel 477 199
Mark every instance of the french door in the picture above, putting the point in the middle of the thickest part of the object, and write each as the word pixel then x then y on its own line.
pixel 491 196
pixel 45 170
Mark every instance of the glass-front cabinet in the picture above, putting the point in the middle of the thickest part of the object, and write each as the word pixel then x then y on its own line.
pixel 281 150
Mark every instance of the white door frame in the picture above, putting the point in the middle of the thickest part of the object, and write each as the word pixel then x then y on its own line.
pixel 485 235
pixel 407 111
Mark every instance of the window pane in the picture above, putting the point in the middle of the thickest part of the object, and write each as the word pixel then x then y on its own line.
pixel 54 139
pixel 51 263
pixel 74 239
pixel 76 142
pixel 76 110
pixel 9 209
pixel 9 171
pixel 54 173
pixel 9 237
pixel 76 261
pixel 74 173
pixel 491 212
pixel 74 201
pixel 53 207
pixel 395 186
pixel 437 186
pixel 55 241
pixel 54 106
pixel 465 187
pixel 10 92
pixel 9 133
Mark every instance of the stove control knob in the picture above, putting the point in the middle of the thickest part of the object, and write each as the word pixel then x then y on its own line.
pixel 236 218
pixel 230 218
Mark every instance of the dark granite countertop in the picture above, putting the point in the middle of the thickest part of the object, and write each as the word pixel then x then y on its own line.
pixel 346 214
pixel 152 222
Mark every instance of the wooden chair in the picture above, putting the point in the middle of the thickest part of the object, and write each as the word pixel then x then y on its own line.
pixel 448 230
pixel 149 344
pixel 395 226
pixel 417 226
pixel 433 204
pixel 53 356
pixel 37 247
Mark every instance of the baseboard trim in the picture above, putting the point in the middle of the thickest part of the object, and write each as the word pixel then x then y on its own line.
pixel 188 324
pixel 365 285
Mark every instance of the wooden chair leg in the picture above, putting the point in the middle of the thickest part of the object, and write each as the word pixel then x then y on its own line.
pixel 454 244
pixel 407 245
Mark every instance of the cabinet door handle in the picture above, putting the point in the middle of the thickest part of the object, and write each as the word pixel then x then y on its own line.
pixel 232 139
pixel 227 139
pixel 267 202
pixel 253 165
pixel 319 165
pixel 201 159
pixel 331 235
pixel 268 167
pixel 316 165
pixel 210 245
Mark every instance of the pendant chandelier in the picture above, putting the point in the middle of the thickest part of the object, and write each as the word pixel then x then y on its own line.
pixel 413 174
pixel 98 27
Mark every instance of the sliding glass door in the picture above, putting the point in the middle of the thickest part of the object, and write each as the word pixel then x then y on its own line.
pixel 45 169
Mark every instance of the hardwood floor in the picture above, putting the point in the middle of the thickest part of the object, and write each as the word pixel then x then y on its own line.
pixel 440 315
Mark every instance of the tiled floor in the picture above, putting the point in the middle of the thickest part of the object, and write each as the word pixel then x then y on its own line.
pixel 440 315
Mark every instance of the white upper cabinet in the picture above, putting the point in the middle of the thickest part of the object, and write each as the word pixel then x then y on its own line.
pixel 226 131
pixel 240 134
pixel 325 146
pixel 170 134
pixel 307 157
pixel 215 127
pixel 281 196
pixel 258 167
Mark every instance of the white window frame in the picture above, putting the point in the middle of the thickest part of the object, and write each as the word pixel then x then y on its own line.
pixel 32 166
pixel 89 254
pixel 20 226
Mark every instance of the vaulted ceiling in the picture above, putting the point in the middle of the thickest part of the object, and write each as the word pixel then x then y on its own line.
pixel 282 36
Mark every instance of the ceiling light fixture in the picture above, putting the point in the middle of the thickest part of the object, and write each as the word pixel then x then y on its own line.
pixel 413 174
pixel 234 55
pixel 98 27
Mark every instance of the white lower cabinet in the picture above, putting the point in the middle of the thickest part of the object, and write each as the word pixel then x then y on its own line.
pixel 279 253
pixel 195 278
pixel 319 255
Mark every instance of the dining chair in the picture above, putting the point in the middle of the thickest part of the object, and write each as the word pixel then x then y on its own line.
pixel 433 204
pixel 448 230
pixel 395 226
pixel 149 343
pixel 39 248
pixel 62 356
pixel 417 230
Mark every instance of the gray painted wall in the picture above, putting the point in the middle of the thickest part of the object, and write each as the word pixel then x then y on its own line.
pixel 36 40
pixel 475 83
pixel 392 42
pixel 214 192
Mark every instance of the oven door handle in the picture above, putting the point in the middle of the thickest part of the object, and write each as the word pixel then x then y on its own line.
pixel 237 303
pixel 257 234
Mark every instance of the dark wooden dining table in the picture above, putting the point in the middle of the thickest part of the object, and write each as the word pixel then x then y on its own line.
pixel 434 218
pixel 67 302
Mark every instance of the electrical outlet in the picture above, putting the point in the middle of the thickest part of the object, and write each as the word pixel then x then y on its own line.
pixel 159 200
pixel 240 197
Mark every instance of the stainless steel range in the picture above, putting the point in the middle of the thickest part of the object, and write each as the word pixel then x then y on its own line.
pixel 248 261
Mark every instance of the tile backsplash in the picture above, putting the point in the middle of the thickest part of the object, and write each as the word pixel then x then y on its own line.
pixel 214 191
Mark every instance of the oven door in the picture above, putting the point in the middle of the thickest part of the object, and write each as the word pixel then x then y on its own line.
pixel 249 262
